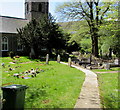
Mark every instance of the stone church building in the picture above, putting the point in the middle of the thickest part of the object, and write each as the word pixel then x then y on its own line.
pixel 9 25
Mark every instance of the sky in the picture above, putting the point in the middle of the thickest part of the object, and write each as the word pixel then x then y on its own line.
pixel 15 8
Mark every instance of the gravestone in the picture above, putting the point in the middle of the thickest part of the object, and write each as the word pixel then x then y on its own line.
pixel 47 58
pixel 90 58
pixel 32 53
pixel 69 62
pixel 107 66
pixel 79 56
pixel 58 58
pixel 116 62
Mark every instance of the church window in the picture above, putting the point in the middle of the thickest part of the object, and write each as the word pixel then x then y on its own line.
pixel 40 7
pixel 4 44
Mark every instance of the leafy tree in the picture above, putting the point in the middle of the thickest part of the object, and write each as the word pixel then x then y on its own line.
pixel 109 32
pixel 30 37
pixel 44 33
pixel 86 45
pixel 111 39
pixel 79 36
pixel 93 12
pixel 72 46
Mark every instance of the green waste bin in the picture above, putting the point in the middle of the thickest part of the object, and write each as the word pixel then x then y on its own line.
pixel 14 96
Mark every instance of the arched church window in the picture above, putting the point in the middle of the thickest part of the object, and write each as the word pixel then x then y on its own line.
pixel 40 7
pixel 4 44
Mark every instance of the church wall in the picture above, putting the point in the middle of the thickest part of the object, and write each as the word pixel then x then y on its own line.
pixel 12 44
pixel 32 10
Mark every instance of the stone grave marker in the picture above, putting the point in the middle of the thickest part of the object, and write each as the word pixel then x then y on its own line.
pixel 116 62
pixel 32 53
pixel 69 62
pixel 47 58
pixel 90 58
pixel 58 58
pixel 79 56
pixel 107 66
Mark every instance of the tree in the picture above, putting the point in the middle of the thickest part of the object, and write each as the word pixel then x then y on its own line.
pixel 55 37
pixel 44 33
pixel 93 12
pixel 72 46
pixel 79 36
pixel 29 36
pixel 109 32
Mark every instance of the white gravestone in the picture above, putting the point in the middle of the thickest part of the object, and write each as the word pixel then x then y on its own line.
pixel 47 58
pixel 107 66
pixel 116 62
pixel 58 58
pixel 69 62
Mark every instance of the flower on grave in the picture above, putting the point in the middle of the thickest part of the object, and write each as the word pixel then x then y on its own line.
pixel 17 56
pixel 3 64
pixel 22 77
pixel 26 72
pixel 41 70
pixel 29 71
pixel 37 70
pixel 10 69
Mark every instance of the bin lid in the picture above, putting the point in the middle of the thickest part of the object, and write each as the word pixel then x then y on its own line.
pixel 14 87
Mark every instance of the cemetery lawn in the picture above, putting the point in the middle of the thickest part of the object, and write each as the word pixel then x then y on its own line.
pixel 56 86
pixel 108 86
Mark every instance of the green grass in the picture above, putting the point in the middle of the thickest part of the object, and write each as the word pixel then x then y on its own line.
pixel 104 70
pixel 108 86
pixel 17 60
pixel 57 87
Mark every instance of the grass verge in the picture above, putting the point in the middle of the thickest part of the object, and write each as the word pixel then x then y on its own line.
pixel 108 86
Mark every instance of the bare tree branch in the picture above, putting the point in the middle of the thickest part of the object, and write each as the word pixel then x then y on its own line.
pixel 84 11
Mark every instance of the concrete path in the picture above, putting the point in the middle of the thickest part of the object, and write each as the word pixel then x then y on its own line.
pixel 89 95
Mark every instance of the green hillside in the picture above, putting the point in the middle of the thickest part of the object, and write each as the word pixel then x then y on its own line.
pixel 79 32
pixel 72 25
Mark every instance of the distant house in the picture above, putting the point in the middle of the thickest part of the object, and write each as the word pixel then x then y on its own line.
pixel 8 25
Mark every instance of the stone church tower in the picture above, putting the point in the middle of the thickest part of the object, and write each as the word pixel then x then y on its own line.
pixel 36 8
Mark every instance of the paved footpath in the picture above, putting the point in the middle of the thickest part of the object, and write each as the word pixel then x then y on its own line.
pixel 89 95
